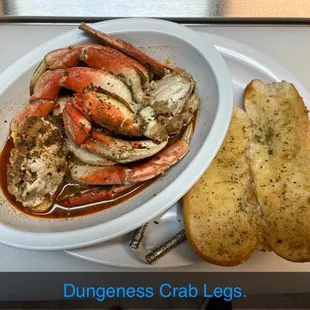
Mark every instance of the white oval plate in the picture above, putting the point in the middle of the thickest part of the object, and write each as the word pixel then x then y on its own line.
pixel 244 64
pixel 183 47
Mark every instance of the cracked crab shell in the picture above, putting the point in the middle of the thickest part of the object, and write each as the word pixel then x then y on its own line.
pixel 163 40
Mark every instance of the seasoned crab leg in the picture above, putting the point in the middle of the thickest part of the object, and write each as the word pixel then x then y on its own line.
pixel 87 156
pixel 76 125
pixel 120 175
pixel 77 79
pixel 79 131
pixel 112 114
pixel 120 150
pixel 98 57
pixel 38 108
pixel 94 195
pixel 143 72
pixel 127 48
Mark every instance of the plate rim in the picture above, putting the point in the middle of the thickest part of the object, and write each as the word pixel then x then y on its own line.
pixel 231 48
pixel 77 238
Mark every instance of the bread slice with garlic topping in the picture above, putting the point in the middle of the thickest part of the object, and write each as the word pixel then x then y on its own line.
pixel 222 219
pixel 280 162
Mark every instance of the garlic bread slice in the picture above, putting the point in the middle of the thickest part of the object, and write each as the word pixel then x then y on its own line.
pixel 221 214
pixel 280 161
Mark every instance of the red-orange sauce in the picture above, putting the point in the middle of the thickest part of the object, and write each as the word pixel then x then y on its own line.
pixel 4 161
pixel 59 211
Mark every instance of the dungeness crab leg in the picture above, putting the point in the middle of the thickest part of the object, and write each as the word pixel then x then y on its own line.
pixel 77 79
pixel 87 156
pixel 127 48
pixel 120 150
pixel 113 115
pixel 94 195
pixel 80 132
pixel 120 175
pixel 104 109
pixel 96 56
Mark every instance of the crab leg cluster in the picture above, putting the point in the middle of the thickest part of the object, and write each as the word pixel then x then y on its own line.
pixel 122 175
pixel 123 108
pixel 125 178
pixel 96 56
pixel 79 131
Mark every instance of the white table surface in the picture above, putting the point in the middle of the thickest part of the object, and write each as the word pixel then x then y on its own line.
pixel 290 46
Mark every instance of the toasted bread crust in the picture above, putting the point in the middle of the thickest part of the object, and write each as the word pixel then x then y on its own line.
pixel 280 158
pixel 220 211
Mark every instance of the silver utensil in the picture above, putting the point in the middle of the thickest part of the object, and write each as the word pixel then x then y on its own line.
pixel 150 256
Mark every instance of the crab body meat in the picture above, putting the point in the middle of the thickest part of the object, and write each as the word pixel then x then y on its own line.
pixel 37 164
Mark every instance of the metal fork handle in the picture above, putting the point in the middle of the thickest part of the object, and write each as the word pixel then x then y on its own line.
pixel 161 250
pixel 138 236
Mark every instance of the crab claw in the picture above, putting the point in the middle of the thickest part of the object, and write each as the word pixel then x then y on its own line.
pixel 78 79
pixel 112 114
pixel 99 59
pixel 77 127
pixel 38 108
pixel 127 48
pixel 96 56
